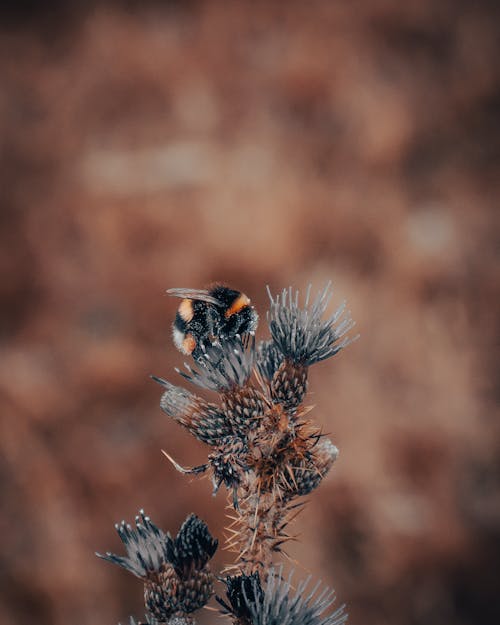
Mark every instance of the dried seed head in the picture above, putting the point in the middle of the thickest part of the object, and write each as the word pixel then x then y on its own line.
pixel 310 471
pixel 204 420
pixel 289 385
pixel 226 366
pixel 228 464
pixel 268 359
pixel 145 545
pixel 281 604
pixel 300 334
pixel 175 571
pixel 243 408
pixel 241 590
pixel 168 595
pixel 192 548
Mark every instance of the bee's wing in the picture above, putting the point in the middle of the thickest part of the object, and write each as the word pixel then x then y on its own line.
pixel 198 294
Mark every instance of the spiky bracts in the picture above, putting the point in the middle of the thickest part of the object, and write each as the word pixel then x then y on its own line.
pixel 278 603
pixel 263 448
pixel 300 334
pixel 204 420
pixel 177 578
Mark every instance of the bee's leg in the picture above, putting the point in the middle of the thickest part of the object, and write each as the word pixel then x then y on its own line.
pixel 213 325
pixel 229 328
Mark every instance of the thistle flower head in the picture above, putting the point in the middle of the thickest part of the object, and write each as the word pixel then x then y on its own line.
pixel 224 367
pixel 301 335
pixel 176 576
pixel 203 419
pixel 241 591
pixel 145 546
pixel 268 359
pixel 192 547
pixel 280 604
pixel 308 473
pixel 228 462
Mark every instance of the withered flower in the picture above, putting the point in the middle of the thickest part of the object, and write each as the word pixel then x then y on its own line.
pixel 241 592
pixel 204 420
pixel 145 545
pixel 175 571
pixel 301 335
pixel 281 604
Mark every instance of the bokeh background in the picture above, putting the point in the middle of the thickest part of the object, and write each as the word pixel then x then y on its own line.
pixel 148 145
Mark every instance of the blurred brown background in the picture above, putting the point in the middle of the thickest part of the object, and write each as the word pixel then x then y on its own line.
pixel 147 145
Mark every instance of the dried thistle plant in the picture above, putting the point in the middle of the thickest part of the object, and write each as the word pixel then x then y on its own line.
pixel 263 448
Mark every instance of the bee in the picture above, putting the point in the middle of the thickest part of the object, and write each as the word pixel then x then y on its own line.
pixel 206 317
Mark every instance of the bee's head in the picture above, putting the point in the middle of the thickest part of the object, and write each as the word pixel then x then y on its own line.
pixel 248 320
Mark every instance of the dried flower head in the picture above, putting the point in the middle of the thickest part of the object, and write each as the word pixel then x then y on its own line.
pixel 145 545
pixel 225 366
pixel 177 579
pixel 301 335
pixel 278 603
pixel 204 420
pixel 281 605
pixel 268 359
pixel 192 548
pixel 241 591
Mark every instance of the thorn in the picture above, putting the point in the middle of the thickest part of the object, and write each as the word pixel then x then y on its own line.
pixel 292 476
pixel 160 381
pixel 186 471
pixel 304 410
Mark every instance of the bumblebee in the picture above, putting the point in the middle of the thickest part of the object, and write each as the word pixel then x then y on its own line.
pixel 205 317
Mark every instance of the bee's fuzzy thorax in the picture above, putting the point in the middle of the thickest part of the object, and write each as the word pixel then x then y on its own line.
pixel 205 317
